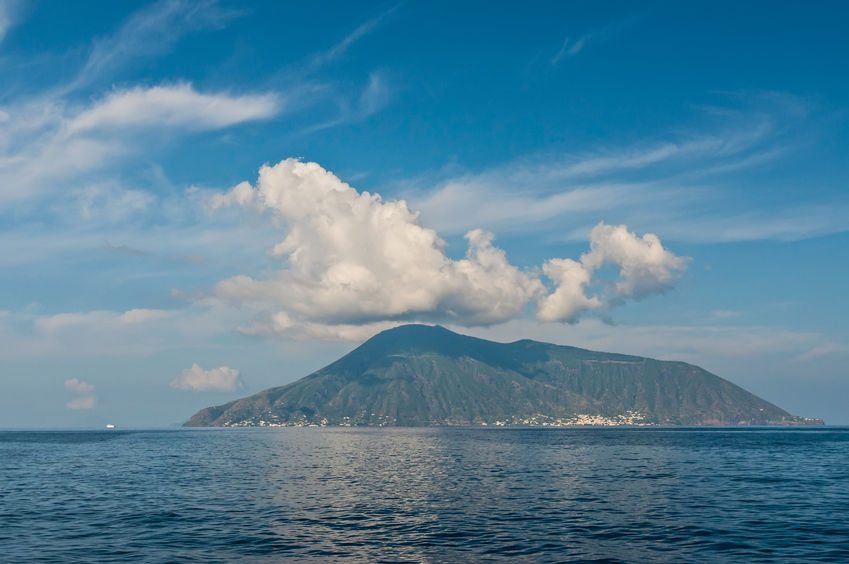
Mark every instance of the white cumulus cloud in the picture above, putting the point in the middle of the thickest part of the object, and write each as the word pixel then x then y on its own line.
pixel 85 394
pixel 645 268
pixel 78 386
pixel 569 299
pixel 353 260
pixel 196 379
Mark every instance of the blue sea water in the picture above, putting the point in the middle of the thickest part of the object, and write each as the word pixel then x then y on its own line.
pixel 425 495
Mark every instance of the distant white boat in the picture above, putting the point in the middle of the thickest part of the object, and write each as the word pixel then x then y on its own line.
pixel 110 426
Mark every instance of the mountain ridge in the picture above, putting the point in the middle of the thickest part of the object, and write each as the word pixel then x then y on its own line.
pixel 422 375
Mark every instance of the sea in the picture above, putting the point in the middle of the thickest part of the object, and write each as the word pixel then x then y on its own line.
pixel 426 495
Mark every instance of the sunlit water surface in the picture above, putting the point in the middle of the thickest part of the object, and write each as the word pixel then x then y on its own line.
pixel 434 495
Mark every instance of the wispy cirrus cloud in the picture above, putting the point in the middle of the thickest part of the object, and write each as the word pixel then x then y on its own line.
pixel 353 104
pixel 153 30
pixel 373 97
pixel 574 44
pixel 339 49
pixel 827 349
pixel 718 225
pixel 685 188
pixel 42 142
pixel 173 106
pixel 570 48
pixel 103 320
pixel 6 17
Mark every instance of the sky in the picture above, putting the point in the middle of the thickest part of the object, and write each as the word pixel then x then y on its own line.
pixel 201 200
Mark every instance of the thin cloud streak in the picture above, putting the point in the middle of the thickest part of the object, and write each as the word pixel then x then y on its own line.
pixel 678 189
pixel 173 106
pixel 376 94
pixel 359 32
pixel 6 20
pixel 569 49
pixel 792 224
pixel 152 30
pixel 373 98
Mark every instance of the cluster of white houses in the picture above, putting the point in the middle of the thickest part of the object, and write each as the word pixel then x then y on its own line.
pixel 630 418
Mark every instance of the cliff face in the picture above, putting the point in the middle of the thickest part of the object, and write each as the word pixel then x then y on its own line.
pixel 422 375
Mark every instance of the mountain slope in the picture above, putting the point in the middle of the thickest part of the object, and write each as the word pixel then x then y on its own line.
pixel 423 375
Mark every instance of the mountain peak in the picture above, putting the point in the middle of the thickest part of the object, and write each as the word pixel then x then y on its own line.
pixel 415 337
pixel 412 331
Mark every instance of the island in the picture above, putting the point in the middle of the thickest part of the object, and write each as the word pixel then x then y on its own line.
pixel 422 375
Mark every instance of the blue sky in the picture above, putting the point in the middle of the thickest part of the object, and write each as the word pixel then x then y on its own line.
pixel 664 179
